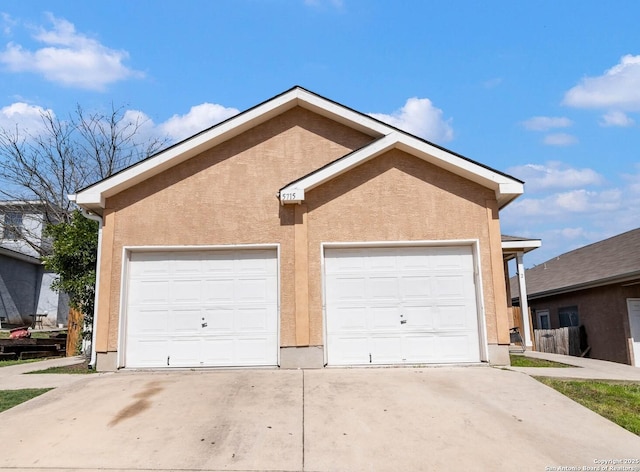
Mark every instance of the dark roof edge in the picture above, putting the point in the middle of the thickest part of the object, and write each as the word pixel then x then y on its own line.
pixel 581 248
pixel 319 96
pixel 18 255
pixel 442 148
pixel 585 285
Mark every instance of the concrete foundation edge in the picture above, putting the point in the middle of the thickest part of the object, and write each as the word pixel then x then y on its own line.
pixel 499 354
pixel 308 357
pixel 106 361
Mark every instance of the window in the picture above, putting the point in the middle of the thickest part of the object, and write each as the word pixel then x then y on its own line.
pixel 568 316
pixel 12 225
pixel 543 319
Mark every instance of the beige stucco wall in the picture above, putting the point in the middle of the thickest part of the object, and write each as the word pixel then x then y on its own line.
pixel 399 197
pixel 228 195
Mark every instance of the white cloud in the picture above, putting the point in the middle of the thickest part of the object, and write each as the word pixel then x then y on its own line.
pixel 23 116
pixel 560 139
pixel 69 58
pixel 618 88
pixel 563 206
pixel 339 4
pixel 7 23
pixel 198 118
pixel 571 233
pixel 555 175
pixel 419 117
pixel 569 219
pixel 544 123
pixel 633 182
pixel 492 83
pixel 616 118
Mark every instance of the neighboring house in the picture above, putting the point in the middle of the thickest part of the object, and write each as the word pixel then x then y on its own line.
pixel 598 287
pixel 300 233
pixel 25 285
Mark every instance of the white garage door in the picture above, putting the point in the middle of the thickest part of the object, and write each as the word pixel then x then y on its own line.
pixel 401 305
pixel 202 308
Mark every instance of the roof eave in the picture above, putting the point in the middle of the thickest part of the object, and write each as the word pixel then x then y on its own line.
pixel 20 256
pixel 94 196
pixel 506 188
pixel 617 279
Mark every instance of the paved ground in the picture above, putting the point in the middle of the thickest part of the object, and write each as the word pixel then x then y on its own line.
pixel 585 368
pixel 12 378
pixel 453 418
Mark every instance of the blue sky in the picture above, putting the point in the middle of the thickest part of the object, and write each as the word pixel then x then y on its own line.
pixel 547 91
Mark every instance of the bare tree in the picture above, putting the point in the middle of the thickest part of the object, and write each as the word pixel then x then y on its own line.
pixel 39 169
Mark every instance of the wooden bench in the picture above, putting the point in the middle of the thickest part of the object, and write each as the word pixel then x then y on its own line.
pixel 27 345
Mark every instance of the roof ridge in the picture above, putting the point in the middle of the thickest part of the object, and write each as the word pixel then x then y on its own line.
pixel 587 246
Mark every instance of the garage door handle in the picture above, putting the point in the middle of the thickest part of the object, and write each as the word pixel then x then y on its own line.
pixel 204 325
pixel 403 321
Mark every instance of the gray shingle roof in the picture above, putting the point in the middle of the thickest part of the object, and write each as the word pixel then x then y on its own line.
pixel 613 259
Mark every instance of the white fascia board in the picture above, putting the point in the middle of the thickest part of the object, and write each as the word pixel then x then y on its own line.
pixel 528 244
pixel 341 114
pixel 293 192
pixel 458 165
pixel 91 198
pixel 506 188
pixel 183 151
pixel 511 188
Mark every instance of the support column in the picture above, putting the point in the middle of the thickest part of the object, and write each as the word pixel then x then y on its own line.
pixel 524 303
pixel 301 276
pixel 104 292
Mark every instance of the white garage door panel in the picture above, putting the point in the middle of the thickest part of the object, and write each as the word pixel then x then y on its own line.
pixel 401 305
pixel 349 350
pixel 202 308
pixel 151 352
pixel 183 352
pixel 388 349
pixel 384 319
pixel 219 351
pixel 184 321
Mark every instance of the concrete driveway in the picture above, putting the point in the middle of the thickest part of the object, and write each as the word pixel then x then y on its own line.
pixel 454 418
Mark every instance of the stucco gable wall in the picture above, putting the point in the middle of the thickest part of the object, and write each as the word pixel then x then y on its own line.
pixel 227 195
pixel 398 197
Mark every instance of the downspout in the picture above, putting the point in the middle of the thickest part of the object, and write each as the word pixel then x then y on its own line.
pixel 98 218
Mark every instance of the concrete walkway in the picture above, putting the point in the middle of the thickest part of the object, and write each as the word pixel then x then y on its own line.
pixel 585 368
pixel 12 378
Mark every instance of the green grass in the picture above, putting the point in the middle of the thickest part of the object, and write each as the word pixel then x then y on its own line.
pixel 81 368
pixel 522 361
pixel 11 398
pixel 616 401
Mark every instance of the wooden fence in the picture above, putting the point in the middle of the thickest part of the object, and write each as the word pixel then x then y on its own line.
pixel 516 321
pixel 558 341
pixel 74 332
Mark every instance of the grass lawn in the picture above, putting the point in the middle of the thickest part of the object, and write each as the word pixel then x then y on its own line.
pixel 11 398
pixel 81 368
pixel 616 401
pixel 522 361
